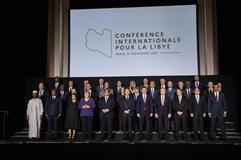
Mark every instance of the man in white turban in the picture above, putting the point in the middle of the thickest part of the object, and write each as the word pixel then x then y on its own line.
pixel 34 115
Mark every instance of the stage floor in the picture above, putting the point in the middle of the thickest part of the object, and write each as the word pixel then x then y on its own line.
pixel 119 149
pixel 233 138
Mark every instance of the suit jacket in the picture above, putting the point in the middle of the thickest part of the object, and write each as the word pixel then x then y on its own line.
pixel 44 96
pixel 153 97
pixel 156 92
pixel 186 94
pixel 53 107
pixel 98 91
pixel 119 97
pixel 171 93
pixel 110 104
pixel 214 106
pixel 58 87
pixel 200 86
pixel 162 110
pixel 65 96
pixel 127 104
pixel 198 108
pixel 116 91
pixel 144 108
pixel 102 92
pixel 206 93
pixel 183 106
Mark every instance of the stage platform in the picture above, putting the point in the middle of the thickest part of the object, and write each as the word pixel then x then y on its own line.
pixel 117 148
pixel 233 138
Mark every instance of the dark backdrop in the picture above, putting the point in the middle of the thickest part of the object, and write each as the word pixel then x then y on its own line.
pixel 26 53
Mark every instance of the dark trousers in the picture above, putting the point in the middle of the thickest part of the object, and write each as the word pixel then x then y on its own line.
pixel 52 126
pixel 198 124
pixel 163 126
pixel 180 120
pixel 153 124
pixel 106 122
pixel 120 120
pixel 86 126
pixel 144 119
pixel 127 123
pixel 135 122
pixel 214 118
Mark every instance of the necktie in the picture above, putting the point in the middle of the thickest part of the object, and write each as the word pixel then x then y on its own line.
pixel 162 100
pixel 197 84
pixel 56 85
pixel 180 99
pixel 40 93
pixel 217 96
pixel 106 99
pixel 197 98
pixel 144 96
pixel 152 92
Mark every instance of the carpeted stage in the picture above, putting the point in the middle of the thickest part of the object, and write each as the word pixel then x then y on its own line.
pixel 117 148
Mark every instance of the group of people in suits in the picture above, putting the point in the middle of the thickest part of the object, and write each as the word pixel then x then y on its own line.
pixel 145 108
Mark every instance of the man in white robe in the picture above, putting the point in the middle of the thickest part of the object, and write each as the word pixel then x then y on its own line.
pixel 34 115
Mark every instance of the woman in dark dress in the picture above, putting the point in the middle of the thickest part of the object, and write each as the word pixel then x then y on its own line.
pixel 119 98
pixel 72 122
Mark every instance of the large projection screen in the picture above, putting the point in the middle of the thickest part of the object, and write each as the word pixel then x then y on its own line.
pixel 135 41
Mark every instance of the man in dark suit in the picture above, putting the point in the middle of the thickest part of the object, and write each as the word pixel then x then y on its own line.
pixel 145 83
pixel 53 112
pixel 209 90
pixel 56 84
pixel 180 113
pixel 106 113
pixel 64 95
pixel 163 83
pixel 99 89
pixel 144 110
pixel 217 109
pixel 127 105
pixel 220 87
pixel 197 112
pixel 43 94
pixel 135 118
pixel 163 112
pixel 153 92
pixel 70 87
pixel 197 83
pixel 83 88
pixel 170 91
pixel 118 88
pixel 188 92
